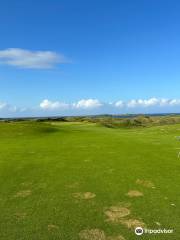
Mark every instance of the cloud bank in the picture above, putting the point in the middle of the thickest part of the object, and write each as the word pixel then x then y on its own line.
pixel 49 105
pixel 153 102
pixel 23 58
pixel 95 103
pixel 93 106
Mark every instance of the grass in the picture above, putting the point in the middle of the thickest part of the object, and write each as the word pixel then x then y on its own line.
pixel 42 165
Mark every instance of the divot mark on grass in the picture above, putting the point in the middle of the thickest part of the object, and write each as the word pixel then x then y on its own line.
pixel 84 195
pixel 134 193
pixel 145 183
pixel 92 234
pixel 115 213
pixel 132 223
pixel 52 227
pixel 23 194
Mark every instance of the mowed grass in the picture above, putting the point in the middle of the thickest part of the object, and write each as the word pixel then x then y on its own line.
pixel 44 166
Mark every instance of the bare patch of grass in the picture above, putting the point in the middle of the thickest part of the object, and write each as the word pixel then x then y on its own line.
pixel 97 234
pixel 84 195
pixel 92 234
pixel 115 213
pixel 145 183
pixel 52 227
pixel 119 215
pixel 134 193
pixel 132 223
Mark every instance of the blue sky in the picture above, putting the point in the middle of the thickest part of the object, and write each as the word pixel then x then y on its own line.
pixel 84 57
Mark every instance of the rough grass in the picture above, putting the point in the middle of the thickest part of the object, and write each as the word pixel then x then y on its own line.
pixel 128 121
pixel 42 165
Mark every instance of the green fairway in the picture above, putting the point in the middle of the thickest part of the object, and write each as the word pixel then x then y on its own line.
pixel 64 180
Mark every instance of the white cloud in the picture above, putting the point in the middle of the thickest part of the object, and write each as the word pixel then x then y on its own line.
pixel 3 105
pixel 174 102
pixel 87 104
pixel 82 104
pixel 30 59
pixel 49 105
pixel 149 102
pixel 119 104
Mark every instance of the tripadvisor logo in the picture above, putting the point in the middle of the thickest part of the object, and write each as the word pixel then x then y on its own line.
pixel 139 231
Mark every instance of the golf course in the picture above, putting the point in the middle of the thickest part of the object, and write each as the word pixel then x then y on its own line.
pixel 81 180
